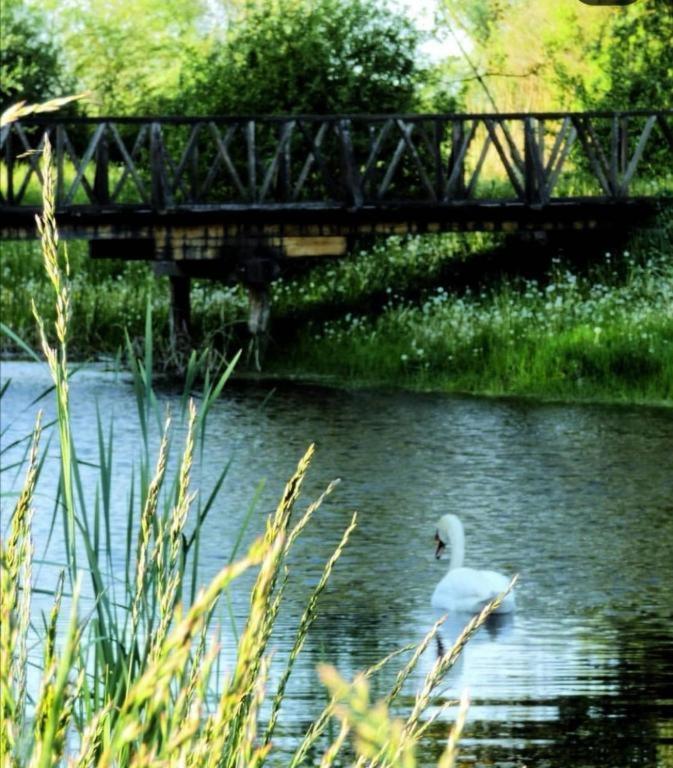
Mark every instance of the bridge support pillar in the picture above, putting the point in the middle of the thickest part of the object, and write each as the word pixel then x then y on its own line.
pixel 259 309
pixel 180 310
pixel 258 271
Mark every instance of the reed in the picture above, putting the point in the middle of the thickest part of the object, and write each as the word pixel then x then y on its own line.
pixel 133 682
pixel 23 109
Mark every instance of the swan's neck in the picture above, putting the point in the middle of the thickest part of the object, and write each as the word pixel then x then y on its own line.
pixel 457 545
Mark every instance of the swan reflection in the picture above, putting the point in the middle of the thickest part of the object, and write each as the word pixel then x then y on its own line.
pixel 485 653
pixel 498 626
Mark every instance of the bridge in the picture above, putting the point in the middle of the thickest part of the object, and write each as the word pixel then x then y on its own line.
pixel 224 197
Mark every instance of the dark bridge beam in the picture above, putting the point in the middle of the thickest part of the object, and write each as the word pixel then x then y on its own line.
pixel 215 225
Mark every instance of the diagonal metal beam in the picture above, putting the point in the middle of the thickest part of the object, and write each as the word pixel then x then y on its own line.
pixel 457 161
pixel 637 155
pixel 315 155
pixel 554 171
pixel 32 154
pixel 588 141
pixel 223 150
pixel 283 143
pixel 474 178
pixel 406 131
pixel 370 165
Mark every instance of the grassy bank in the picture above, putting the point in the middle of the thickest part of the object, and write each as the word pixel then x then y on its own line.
pixel 606 333
pixel 110 297
pixel 579 323
pixel 452 313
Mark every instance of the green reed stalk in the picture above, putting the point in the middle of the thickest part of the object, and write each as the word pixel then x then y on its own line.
pixel 16 561
pixel 307 619
pixel 57 357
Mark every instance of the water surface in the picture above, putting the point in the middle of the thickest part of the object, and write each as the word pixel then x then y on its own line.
pixel 578 500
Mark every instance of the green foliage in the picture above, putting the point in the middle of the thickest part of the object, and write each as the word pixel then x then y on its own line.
pixel 544 55
pixel 30 61
pixel 367 276
pixel 110 297
pixel 606 335
pixel 320 56
pixel 275 56
pixel 131 56
pixel 309 56
pixel 637 55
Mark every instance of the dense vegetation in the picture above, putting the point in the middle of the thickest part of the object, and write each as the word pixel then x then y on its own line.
pixel 602 334
pixel 545 55
pixel 366 318
pixel 31 65
pixel 419 312
pixel 233 56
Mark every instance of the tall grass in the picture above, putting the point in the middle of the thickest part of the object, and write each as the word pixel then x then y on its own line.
pixel 604 334
pixel 109 298
pixel 389 315
pixel 133 682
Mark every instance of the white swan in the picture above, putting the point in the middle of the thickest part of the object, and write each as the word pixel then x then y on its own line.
pixel 465 589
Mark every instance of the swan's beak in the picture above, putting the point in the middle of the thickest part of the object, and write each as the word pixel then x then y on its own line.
pixel 440 546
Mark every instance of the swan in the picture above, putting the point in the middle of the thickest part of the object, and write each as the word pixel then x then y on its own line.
pixel 465 589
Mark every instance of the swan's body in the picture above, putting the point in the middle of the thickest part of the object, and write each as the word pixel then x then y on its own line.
pixel 466 590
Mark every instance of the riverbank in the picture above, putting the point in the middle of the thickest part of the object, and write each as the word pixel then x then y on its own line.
pixel 579 337
pixel 446 314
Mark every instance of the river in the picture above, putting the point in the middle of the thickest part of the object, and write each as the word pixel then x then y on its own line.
pixel 576 499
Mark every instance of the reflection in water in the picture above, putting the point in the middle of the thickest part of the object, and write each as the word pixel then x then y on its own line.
pixel 497 626
pixel 576 499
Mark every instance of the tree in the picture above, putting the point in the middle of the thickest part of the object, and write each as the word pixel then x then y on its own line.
pixel 545 55
pixel 235 56
pixel 515 50
pixel 309 56
pixel 131 56
pixel 30 64
pixel 636 53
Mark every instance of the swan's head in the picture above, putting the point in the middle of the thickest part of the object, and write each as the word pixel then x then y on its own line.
pixel 449 529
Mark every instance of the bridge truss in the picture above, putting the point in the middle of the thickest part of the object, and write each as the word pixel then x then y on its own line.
pixel 225 196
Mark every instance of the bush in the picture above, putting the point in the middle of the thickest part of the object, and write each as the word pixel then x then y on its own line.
pixel 301 56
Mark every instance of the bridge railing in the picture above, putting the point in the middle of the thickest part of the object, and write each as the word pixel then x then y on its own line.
pixel 343 161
